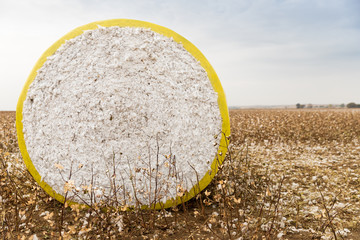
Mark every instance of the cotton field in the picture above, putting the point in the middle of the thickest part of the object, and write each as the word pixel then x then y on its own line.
pixel 289 174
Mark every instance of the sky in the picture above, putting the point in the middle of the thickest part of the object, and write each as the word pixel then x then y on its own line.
pixel 265 52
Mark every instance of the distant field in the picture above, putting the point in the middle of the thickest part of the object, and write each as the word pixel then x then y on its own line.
pixel 296 126
pixel 290 174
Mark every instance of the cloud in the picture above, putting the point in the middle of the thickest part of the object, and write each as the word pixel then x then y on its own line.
pixel 261 49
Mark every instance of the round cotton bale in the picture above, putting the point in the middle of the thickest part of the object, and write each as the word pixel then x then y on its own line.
pixel 124 111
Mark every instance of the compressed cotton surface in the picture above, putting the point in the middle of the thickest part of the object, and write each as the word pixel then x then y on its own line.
pixel 121 112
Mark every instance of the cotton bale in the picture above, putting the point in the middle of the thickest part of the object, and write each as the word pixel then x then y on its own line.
pixel 124 110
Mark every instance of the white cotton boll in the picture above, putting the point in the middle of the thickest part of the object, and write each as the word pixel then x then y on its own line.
pixel 34 237
pixel 111 111
pixel 215 214
pixel 265 227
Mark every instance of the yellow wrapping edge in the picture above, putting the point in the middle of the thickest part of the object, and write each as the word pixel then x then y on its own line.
pixel 197 188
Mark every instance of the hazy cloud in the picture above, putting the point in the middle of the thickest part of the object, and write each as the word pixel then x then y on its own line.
pixel 264 51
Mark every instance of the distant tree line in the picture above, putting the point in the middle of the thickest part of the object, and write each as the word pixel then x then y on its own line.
pixel 349 105
pixel 353 105
pixel 298 105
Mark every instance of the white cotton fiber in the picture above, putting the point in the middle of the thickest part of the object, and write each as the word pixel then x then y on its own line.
pixel 125 112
